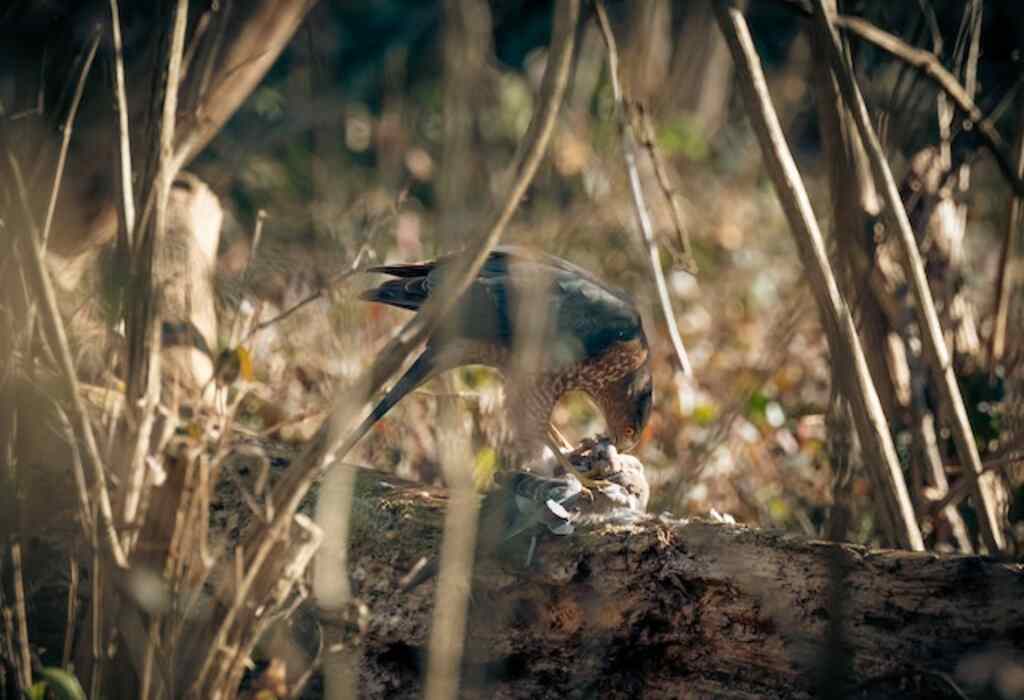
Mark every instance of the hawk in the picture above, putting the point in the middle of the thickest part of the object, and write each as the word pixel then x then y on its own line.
pixel 548 326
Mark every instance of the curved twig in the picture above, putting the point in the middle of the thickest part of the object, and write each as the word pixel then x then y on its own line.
pixel 642 215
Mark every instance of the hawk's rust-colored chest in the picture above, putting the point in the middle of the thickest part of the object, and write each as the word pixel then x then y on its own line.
pixel 594 374
pixel 591 374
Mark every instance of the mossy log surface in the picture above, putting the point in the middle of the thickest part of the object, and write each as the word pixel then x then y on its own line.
pixel 654 607
pixel 662 607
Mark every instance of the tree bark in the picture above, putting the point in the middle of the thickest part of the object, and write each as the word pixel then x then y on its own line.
pixel 664 607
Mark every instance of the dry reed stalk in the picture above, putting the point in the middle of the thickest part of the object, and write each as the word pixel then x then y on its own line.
pixel 872 426
pixel 936 352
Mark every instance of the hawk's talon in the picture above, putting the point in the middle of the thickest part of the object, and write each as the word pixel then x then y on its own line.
pixel 588 485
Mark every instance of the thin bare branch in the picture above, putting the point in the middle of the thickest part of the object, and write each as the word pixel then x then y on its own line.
pixel 66 130
pixel 331 583
pixel 197 39
pixel 468 35
pixel 211 53
pixel 935 347
pixel 1007 255
pixel 636 189
pixel 97 578
pixel 71 621
pixel 9 635
pixel 355 269
pixel 146 327
pixel 257 235
pixel 247 58
pixel 661 173
pixel 81 487
pixel 303 544
pixel 126 212
pixel 969 43
pixel 24 651
pixel 454 581
pixel 962 489
pixel 53 327
pixel 932 68
pixel 166 167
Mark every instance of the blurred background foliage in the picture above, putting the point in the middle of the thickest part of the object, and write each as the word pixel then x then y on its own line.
pixel 386 131
pixel 345 147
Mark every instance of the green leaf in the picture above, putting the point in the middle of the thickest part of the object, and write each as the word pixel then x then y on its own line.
pixel 63 684
pixel 684 136
pixel 268 103
pixel 757 404
pixel 36 692
pixel 705 414
pixel 484 468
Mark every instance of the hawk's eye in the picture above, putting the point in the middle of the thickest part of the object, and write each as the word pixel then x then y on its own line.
pixel 629 432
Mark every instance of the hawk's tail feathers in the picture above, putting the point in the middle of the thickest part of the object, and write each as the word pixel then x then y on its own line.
pixel 421 370
pixel 404 269
pixel 403 293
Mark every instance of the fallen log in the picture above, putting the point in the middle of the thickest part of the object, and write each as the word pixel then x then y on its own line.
pixel 665 607
pixel 649 606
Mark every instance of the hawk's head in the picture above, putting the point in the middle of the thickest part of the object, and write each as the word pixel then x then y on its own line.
pixel 627 407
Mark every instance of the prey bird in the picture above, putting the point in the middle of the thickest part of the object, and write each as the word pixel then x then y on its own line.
pixel 548 326
pixel 528 505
